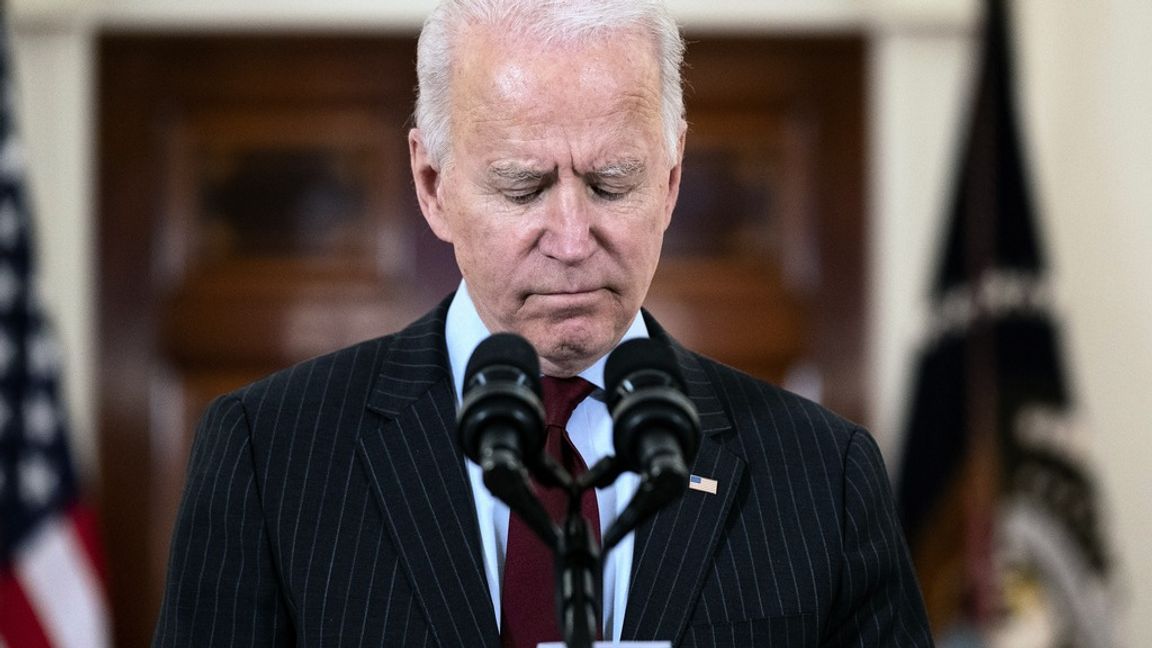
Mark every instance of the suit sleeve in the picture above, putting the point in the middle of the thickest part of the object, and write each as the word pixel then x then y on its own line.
pixel 222 586
pixel 878 601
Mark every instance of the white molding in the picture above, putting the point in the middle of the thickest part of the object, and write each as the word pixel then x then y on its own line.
pixel 948 16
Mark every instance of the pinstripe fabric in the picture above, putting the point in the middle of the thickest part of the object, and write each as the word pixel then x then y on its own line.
pixel 799 547
pixel 328 504
pixel 309 517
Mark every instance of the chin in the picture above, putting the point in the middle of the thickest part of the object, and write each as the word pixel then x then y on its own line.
pixel 570 353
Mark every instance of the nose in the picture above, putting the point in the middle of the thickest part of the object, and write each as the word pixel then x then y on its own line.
pixel 568 235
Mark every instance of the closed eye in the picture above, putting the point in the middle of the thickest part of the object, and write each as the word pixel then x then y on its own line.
pixel 616 180
pixel 519 184
pixel 609 194
pixel 523 198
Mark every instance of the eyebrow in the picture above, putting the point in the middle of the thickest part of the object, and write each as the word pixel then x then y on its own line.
pixel 512 172
pixel 621 169
pixel 515 173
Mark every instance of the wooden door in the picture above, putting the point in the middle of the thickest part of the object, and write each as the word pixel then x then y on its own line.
pixel 256 209
pixel 764 262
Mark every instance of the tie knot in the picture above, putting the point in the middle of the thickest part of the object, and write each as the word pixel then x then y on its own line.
pixel 561 396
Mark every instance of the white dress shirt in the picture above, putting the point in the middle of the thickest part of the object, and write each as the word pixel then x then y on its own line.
pixel 591 430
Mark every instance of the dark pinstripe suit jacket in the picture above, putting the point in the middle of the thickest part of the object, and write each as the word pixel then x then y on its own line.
pixel 328 504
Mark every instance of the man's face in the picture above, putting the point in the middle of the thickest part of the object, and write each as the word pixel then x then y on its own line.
pixel 558 189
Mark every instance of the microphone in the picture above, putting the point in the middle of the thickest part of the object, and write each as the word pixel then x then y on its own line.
pixel 656 430
pixel 501 424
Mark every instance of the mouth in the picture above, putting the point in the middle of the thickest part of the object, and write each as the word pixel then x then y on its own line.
pixel 562 293
pixel 567 300
pixel 568 293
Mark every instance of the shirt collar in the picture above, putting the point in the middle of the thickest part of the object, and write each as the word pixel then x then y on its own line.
pixel 464 331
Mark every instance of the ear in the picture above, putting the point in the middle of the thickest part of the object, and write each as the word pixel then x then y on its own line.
pixel 427 178
pixel 674 176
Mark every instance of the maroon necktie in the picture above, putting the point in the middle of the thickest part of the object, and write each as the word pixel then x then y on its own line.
pixel 528 594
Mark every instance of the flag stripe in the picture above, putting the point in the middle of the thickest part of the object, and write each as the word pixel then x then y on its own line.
pixel 18 623
pixel 62 586
pixel 88 533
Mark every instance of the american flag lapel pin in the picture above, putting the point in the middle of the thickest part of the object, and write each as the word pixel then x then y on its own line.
pixel 703 484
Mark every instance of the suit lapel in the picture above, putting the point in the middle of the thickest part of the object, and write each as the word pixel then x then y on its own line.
pixel 420 481
pixel 673 551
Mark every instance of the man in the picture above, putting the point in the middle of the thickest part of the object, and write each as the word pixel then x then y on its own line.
pixel 330 503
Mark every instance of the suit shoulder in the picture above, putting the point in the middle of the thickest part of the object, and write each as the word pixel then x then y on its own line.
pixel 356 366
pixel 349 364
pixel 748 398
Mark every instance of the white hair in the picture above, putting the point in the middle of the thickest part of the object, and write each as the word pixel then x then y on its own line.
pixel 548 21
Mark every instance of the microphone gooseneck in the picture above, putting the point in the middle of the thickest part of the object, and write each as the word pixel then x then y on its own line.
pixel 501 424
pixel 656 430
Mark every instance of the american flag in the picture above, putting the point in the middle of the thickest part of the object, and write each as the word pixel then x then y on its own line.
pixel 51 580
pixel 696 482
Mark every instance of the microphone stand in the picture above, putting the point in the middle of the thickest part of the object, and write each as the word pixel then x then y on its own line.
pixel 579 556
pixel 499 424
pixel 578 580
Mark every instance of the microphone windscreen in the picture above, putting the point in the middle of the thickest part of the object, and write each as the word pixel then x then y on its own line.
pixel 506 349
pixel 640 354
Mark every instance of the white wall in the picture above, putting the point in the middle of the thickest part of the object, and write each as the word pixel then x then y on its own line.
pixel 52 83
pixel 1088 85
pixel 1087 97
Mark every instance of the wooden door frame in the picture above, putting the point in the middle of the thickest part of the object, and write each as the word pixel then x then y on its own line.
pixel 135 93
pixel 143 82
